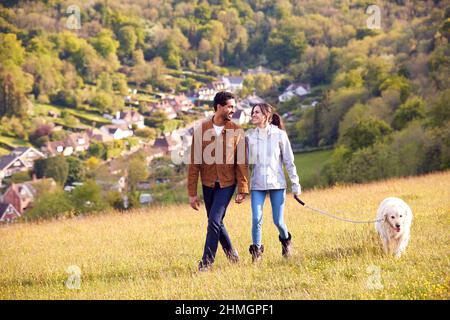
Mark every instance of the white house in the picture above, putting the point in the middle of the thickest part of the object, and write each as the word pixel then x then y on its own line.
pixel 241 117
pixel 117 131
pixel 20 159
pixel 295 89
pixel 129 118
pixel 233 84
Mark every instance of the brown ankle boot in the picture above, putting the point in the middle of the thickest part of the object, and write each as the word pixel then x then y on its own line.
pixel 286 248
pixel 256 252
pixel 232 256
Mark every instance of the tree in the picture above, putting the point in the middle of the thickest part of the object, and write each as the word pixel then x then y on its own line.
pixel 413 108
pixel 88 198
pixel 53 167
pixel 77 171
pixel 171 53
pixel 103 101
pixel 137 171
pixel 156 120
pixel 11 49
pixel 128 40
pixel 399 83
pixel 286 44
pixel 50 205
pixel 14 85
pixel 97 150
pixel 439 115
pixel 365 133
pixel 104 43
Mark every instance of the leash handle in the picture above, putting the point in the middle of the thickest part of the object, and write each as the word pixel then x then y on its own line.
pixel 299 201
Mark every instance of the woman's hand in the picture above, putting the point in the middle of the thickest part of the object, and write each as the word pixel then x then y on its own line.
pixel 296 194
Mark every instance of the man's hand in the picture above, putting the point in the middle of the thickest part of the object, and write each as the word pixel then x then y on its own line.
pixel 195 202
pixel 240 197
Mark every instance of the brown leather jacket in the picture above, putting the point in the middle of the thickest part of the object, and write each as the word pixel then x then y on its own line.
pixel 225 162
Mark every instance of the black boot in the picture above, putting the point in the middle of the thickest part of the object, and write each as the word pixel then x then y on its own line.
pixel 256 252
pixel 204 266
pixel 286 250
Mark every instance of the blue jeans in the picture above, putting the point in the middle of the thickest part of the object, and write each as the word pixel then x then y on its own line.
pixel 216 203
pixel 277 200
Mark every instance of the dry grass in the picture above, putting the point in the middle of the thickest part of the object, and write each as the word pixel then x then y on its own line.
pixel 153 254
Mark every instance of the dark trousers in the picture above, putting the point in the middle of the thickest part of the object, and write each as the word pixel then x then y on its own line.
pixel 216 203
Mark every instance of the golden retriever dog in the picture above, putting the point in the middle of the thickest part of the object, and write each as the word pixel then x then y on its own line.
pixel 393 224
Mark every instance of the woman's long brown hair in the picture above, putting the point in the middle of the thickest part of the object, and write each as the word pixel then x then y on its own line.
pixel 273 117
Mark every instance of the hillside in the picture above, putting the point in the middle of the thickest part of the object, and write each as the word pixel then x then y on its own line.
pixel 378 94
pixel 152 254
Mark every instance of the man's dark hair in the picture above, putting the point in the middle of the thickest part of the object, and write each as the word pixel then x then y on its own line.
pixel 221 98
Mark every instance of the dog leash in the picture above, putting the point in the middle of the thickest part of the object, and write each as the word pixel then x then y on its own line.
pixel 333 216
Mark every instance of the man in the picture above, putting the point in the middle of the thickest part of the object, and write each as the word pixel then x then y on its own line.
pixel 218 154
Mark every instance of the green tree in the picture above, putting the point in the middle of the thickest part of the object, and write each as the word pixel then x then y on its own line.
pixel 365 133
pixel 97 150
pixel 103 101
pixel 104 43
pixel 128 40
pixel 11 49
pixel 413 108
pixel 439 115
pixel 137 171
pixel 14 85
pixel 50 205
pixel 53 167
pixel 286 44
pixel 399 83
pixel 77 171
pixel 88 198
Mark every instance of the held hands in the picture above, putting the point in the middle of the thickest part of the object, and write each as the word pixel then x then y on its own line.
pixel 240 197
pixel 195 202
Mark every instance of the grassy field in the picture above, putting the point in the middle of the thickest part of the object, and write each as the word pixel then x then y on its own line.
pixel 309 165
pixel 13 142
pixel 89 117
pixel 4 151
pixel 153 254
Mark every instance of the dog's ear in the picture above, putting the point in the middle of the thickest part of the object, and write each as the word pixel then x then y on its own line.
pixel 385 216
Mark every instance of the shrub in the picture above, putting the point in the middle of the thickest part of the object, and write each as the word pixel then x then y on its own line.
pixel 50 205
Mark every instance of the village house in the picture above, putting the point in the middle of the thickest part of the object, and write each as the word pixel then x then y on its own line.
pixel 241 117
pixel 250 101
pixel 99 135
pixel 163 106
pixel 233 84
pixel 208 92
pixel 74 143
pixel 19 160
pixel 152 153
pixel 113 183
pixel 8 213
pixel 116 166
pixel 178 103
pixel 53 148
pixel 129 118
pixel 295 89
pixel 168 143
pixel 117 131
pixel 78 141
pixel 22 195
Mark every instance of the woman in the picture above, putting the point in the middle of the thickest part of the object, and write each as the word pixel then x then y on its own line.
pixel 269 148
